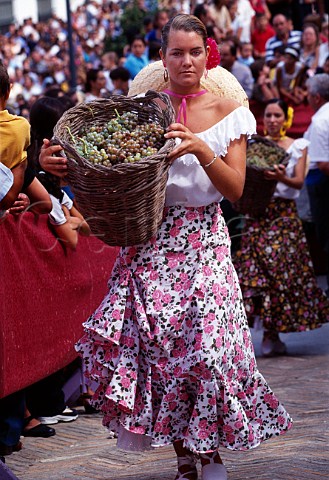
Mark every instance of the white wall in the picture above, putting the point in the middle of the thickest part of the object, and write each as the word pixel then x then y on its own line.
pixel 29 8
pixel 59 7
pixel 25 9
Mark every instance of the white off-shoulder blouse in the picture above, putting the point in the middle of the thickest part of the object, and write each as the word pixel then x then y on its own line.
pixel 296 151
pixel 188 184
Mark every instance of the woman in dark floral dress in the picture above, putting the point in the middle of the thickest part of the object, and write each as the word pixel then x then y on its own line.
pixel 274 264
pixel 170 345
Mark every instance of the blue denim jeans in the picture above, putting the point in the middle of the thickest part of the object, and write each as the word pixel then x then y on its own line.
pixel 11 418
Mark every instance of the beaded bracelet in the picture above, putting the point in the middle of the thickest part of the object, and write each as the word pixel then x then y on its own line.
pixel 207 165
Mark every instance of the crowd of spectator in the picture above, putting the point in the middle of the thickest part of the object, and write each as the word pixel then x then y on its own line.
pixel 268 52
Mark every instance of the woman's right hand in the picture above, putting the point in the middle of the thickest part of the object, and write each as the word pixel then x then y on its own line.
pixel 187 142
pixel 50 163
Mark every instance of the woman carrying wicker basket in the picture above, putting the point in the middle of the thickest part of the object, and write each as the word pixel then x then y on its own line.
pixel 273 264
pixel 169 345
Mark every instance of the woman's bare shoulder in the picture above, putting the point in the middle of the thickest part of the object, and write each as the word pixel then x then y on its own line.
pixel 224 106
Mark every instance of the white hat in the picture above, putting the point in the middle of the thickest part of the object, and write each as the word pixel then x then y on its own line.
pixel 292 51
pixel 219 81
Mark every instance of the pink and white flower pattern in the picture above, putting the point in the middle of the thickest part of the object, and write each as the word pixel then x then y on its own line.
pixel 170 346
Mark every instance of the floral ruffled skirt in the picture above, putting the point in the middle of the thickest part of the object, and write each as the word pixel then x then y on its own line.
pixel 170 347
pixel 276 272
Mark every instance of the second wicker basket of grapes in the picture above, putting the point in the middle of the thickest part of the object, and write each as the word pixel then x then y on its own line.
pixel 120 194
pixel 262 154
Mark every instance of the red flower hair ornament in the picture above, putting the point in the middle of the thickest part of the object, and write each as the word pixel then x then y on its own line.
pixel 214 55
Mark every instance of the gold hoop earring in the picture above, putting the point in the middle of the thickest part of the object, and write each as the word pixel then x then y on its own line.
pixel 165 75
pixel 282 131
pixel 265 131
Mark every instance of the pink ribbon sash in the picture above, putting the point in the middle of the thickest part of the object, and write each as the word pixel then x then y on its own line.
pixel 182 108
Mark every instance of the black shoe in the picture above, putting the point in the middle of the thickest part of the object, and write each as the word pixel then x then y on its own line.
pixel 89 409
pixel 39 431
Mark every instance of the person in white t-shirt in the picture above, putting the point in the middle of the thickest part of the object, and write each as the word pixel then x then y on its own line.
pixel 318 177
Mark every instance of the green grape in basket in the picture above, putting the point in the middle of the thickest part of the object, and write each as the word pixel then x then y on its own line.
pixel 121 140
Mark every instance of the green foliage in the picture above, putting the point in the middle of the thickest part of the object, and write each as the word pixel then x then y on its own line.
pixel 131 24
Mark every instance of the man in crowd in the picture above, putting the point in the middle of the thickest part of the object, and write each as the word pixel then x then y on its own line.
pixel 284 36
pixel 241 72
pixel 317 180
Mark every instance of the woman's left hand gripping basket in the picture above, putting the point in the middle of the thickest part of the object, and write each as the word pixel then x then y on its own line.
pixel 118 165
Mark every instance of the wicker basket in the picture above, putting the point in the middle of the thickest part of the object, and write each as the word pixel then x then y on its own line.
pixel 123 204
pixel 258 191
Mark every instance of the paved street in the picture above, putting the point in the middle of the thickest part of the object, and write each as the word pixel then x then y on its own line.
pixel 83 450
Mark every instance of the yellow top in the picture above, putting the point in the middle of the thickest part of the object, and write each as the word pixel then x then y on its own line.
pixel 14 139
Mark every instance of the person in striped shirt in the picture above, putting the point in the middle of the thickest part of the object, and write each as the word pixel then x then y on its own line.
pixel 284 36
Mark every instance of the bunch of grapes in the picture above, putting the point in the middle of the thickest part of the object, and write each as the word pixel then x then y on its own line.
pixel 121 140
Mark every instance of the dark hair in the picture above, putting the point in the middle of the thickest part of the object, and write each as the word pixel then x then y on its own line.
pixel 256 67
pixel 138 37
pixel 210 31
pixel 153 51
pixel 260 15
pixel 4 81
pixel 91 77
pixel 282 104
pixel 51 184
pixel 65 99
pixel 147 21
pixel 157 15
pixel 200 10
pixel 287 17
pixel 232 46
pixel 45 113
pixel 279 49
pixel 120 73
pixel 185 22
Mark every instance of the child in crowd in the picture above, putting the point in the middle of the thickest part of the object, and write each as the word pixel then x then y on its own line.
pixel 65 219
pixel 246 54
pixel 236 22
pixel 288 77
pixel 14 134
pixel 15 139
pixel 261 33
pixel 120 78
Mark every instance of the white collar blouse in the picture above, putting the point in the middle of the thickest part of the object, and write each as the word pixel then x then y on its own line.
pixel 188 184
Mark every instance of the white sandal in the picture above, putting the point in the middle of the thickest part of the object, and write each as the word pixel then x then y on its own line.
pixel 187 460
pixel 213 471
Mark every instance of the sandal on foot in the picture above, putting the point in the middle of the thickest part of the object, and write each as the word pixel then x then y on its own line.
pixel 189 460
pixel 212 470
pixel 270 347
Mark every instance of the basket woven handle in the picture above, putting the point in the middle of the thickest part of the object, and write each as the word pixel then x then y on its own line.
pixel 153 96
